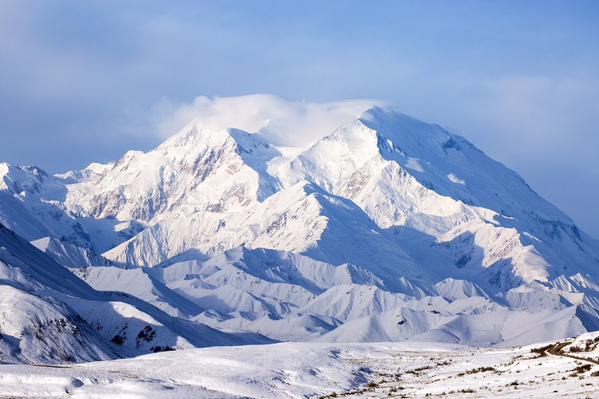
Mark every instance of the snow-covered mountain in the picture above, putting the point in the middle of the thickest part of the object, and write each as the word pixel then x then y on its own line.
pixel 51 316
pixel 373 227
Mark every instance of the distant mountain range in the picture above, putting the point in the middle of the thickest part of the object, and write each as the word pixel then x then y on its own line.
pixel 384 228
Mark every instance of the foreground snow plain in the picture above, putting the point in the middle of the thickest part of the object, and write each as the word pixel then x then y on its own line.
pixel 319 370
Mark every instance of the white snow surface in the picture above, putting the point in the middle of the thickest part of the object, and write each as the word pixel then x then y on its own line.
pixel 68 254
pixel 309 370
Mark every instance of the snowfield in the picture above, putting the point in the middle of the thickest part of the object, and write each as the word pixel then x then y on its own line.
pixel 309 370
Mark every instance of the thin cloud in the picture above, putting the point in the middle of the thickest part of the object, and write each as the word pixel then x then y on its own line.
pixel 289 123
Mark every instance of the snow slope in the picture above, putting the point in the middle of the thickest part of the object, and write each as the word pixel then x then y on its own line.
pixel 287 296
pixel 68 254
pixel 302 370
pixel 51 316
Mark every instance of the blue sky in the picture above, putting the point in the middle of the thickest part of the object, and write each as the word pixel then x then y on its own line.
pixel 84 81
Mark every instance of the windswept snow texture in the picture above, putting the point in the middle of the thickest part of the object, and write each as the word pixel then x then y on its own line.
pixel 335 222
pixel 311 370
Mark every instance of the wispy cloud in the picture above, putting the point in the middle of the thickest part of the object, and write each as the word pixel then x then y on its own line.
pixel 283 122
